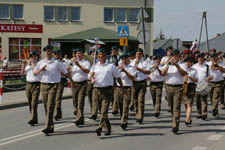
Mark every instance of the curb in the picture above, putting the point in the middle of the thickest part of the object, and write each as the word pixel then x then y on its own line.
pixel 25 103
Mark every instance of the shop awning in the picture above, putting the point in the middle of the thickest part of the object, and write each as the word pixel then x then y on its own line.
pixel 105 35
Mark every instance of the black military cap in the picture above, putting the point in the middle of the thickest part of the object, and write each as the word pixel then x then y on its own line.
pixel 57 51
pixel 115 48
pixel 176 51
pixel 34 53
pixel 101 50
pixel 79 50
pixel 157 56
pixel 48 47
pixel 223 55
pixel 214 54
pixel 124 55
pixel 170 47
pixel 200 55
pixel 139 50
pixel 189 59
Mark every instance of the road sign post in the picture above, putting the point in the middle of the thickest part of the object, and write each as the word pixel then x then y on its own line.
pixel 123 34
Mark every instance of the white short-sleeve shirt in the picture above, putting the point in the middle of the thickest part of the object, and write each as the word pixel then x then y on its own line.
pixel 192 73
pixel 173 76
pixel 125 79
pixel 30 76
pixel 105 74
pixel 155 75
pixel 53 71
pixel 77 74
pixel 139 76
pixel 216 74
pixel 201 72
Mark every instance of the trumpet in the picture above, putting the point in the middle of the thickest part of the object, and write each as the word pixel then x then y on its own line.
pixel 215 66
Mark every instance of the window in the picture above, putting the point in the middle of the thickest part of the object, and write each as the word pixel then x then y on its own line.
pixel 133 13
pixel 49 13
pixel 20 48
pixel 4 11
pixel 62 14
pixel 1 48
pixel 121 14
pixel 18 12
pixel 108 15
pixel 74 13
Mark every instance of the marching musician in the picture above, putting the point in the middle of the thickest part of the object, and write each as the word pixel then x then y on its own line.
pixel 79 68
pixel 174 73
pixel 223 88
pixel 32 86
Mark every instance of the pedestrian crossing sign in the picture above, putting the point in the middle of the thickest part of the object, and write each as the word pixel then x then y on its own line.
pixel 123 31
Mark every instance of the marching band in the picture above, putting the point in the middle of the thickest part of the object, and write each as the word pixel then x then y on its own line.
pixel 122 80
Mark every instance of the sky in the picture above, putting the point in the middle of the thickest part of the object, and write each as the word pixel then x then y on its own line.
pixel 182 18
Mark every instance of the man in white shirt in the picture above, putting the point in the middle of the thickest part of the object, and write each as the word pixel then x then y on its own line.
pixel 140 84
pixel 79 68
pixel 127 76
pixel 132 60
pixel 168 56
pixel 5 63
pixel 156 84
pixel 174 81
pixel 59 93
pixel 217 68
pixel 103 74
pixel 203 74
pixel 32 86
pixel 50 71
pixel 223 88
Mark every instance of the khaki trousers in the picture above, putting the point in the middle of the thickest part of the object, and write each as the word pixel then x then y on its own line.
pixel 58 98
pixel 174 96
pixel 123 102
pixel 48 92
pixel 115 105
pixel 33 92
pixel 79 93
pixel 89 94
pixel 215 94
pixel 202 105
pixel 103 96
pixel 139 98
pixel 169 104
pixel 222 93
pixel 156 92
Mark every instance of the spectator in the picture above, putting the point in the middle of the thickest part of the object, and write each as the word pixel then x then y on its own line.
pixel 5 63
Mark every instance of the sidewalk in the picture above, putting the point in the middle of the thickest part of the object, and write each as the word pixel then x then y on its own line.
pixel 219 145
pixel 19 99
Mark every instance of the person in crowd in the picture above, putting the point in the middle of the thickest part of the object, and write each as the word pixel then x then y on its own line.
pixel 223 87
pixel 174 73
pixel 5 63
pixel 32 86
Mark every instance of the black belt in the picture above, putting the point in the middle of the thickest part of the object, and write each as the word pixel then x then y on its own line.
pixel 126 87
pixel 192 83
pixel 156 82
pixel 82 82
pixel 142 81
pixel 33 82
pixel 49 83
pixel 104 87
pixel 176 85
pixel 216 82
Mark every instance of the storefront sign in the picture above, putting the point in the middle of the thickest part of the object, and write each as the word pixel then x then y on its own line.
pixel 26 28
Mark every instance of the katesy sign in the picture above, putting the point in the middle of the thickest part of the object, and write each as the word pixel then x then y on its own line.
pixel 27 28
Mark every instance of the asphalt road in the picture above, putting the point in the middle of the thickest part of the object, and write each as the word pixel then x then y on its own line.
pixel 16 134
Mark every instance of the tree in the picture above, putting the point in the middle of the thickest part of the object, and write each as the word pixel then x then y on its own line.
pixel 160 36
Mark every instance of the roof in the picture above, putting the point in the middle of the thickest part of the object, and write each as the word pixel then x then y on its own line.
pixel 164 44
pixel 103 34
pixel 216 42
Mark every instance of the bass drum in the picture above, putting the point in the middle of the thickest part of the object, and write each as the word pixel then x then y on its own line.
pixel 203 88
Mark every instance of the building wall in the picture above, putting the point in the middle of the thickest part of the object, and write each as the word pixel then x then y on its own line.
pixel 92 15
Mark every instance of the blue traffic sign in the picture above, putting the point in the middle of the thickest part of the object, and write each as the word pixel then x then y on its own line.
pixel 123 31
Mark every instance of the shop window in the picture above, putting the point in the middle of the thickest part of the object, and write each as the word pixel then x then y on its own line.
pixel 74 13
pixel 18 12
pixel 108 14
pixel 133 13
pixel 62 14
pixel 121 14
pixel 49 13
pixel 4 11
pixel 20 48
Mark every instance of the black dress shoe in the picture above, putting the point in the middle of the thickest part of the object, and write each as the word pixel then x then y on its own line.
pixel 46 131
pixel 223 106
pixel 94 117
pixel 204 117
pixel 115 113
pixel 124 126
pixel 139 121
pixel 98 131
pixel 215 112
pixel 174 130
pixel 79 122
pixel 32 123
pixel 188 123
pixel 199 117
pixel 75 113
pixel 107 133
pixel 157 115
pixel 132 108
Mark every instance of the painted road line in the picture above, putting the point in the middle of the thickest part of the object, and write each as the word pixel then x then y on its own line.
pixel 30 134
pixel 199 148
pixel 223 128
pixel 214 137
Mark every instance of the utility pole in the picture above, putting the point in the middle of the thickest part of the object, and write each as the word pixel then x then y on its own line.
pixel 204 20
